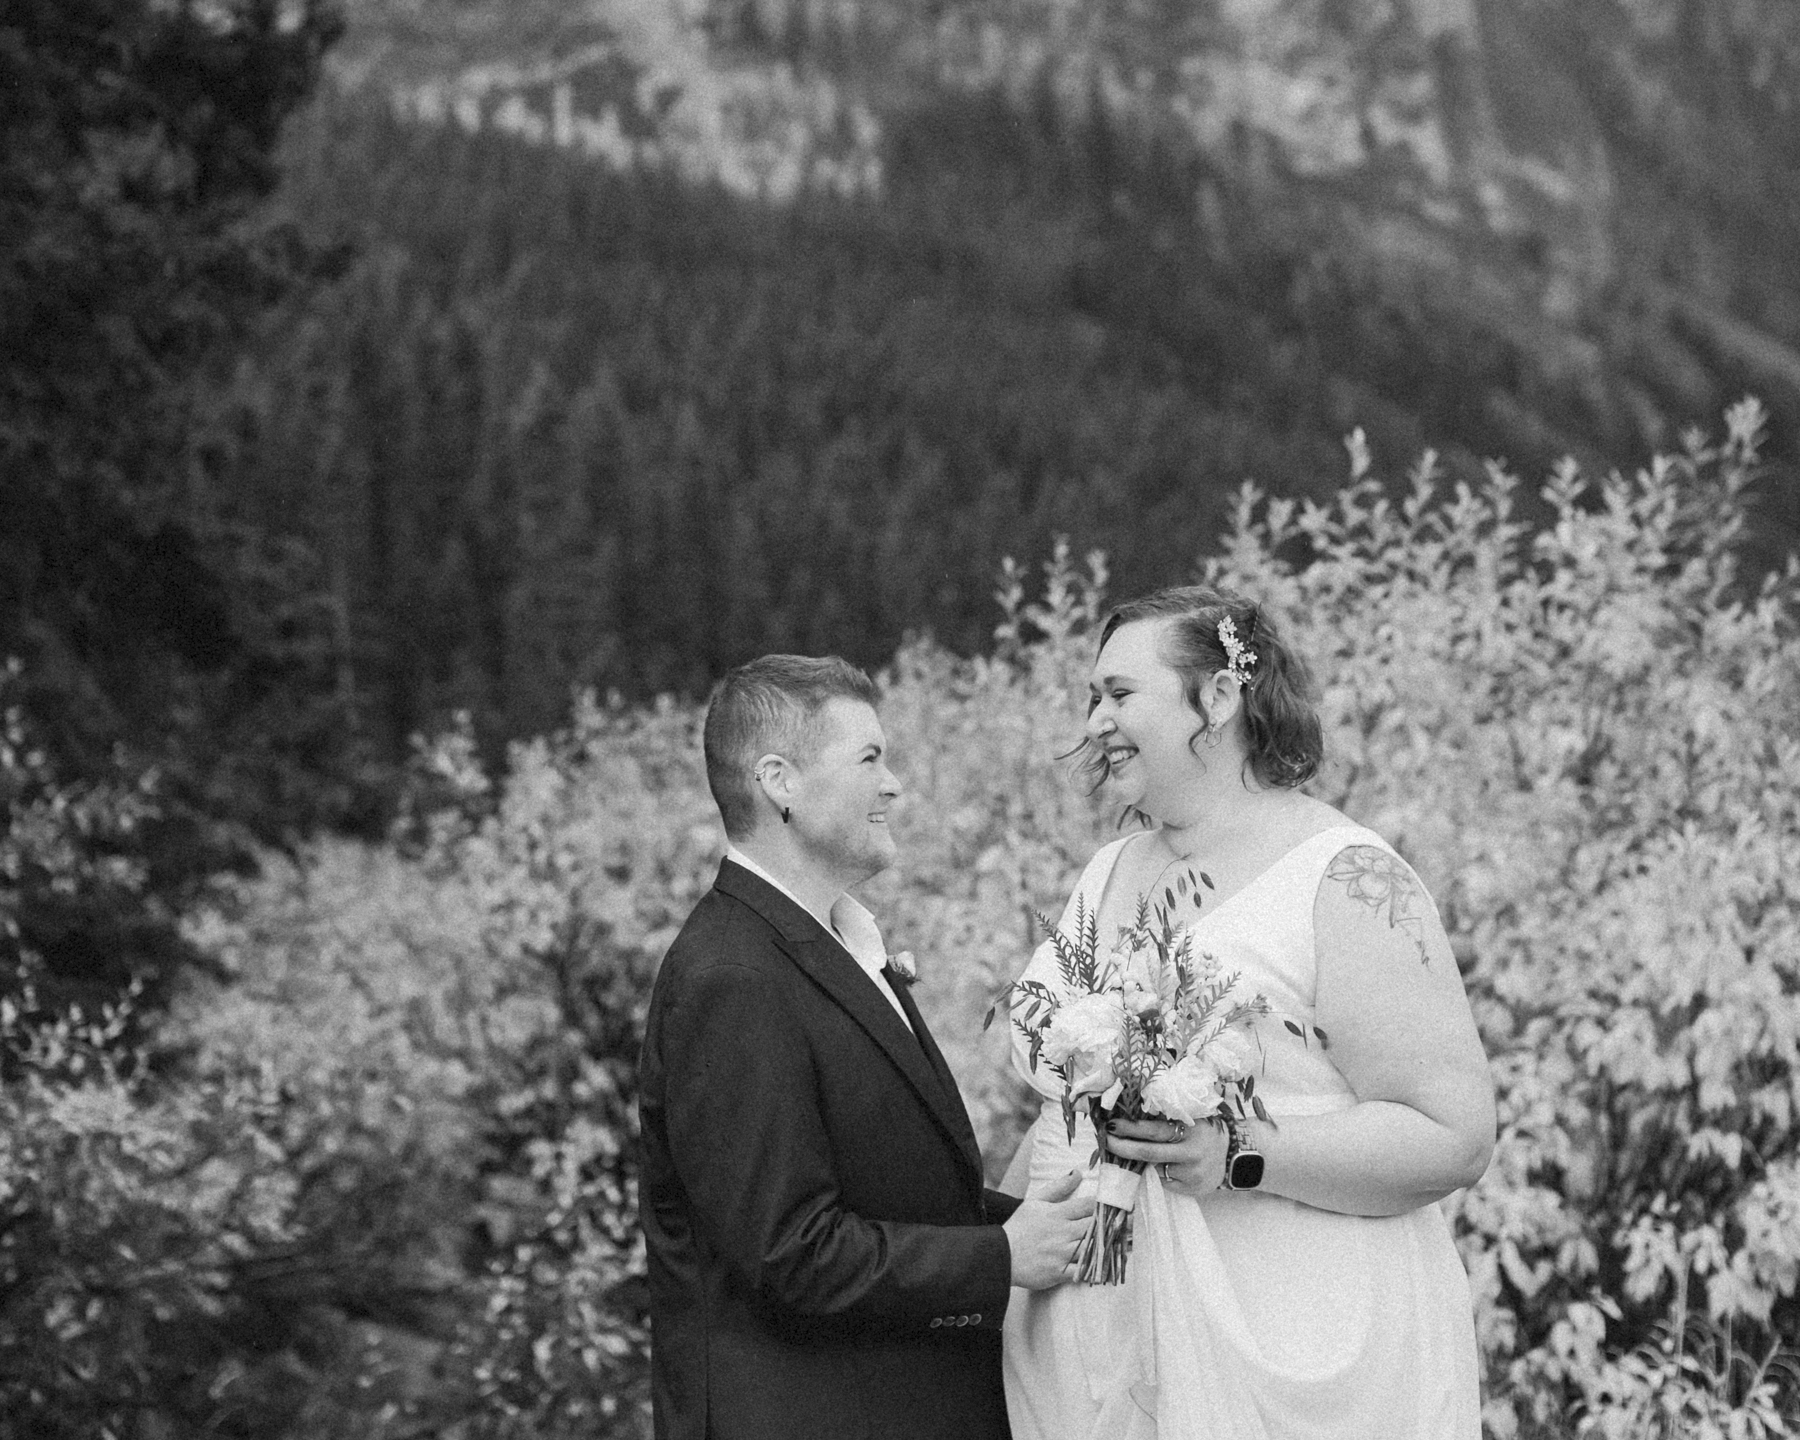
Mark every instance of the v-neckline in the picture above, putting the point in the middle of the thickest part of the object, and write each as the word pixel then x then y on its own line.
pixel 1231 899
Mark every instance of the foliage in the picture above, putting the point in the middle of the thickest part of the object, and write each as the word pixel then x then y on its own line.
pixel 388 1134
pixel 561 426
pixel 137 135
pixel 1582 735
pixel 70 862
pixel 414 1060
pixel 145 1226
pixel 136 141
pixel 464 1008
pixel 566 427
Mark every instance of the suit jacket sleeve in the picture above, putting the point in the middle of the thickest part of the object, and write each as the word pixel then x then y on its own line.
pixel 749 1144
pixel 998 1205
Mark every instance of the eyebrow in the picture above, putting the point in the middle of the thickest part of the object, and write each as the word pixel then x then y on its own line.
pixel 1106 680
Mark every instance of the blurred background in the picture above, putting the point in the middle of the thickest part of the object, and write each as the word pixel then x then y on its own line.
pixel 377 375
pixel 552 344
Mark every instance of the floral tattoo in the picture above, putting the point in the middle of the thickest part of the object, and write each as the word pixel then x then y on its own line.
pixel 1383 881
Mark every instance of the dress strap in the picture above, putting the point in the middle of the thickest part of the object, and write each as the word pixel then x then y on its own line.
pixel 1322 849
pixel 1334 838
pixel 1315 854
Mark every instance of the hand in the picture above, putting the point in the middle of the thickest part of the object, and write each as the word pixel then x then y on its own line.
pixel 1190 1158
pixel 1044 1231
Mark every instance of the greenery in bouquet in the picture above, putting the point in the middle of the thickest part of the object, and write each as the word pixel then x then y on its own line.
pixel 1150 1029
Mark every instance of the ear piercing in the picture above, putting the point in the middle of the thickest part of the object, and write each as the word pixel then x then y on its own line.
pixel 786 810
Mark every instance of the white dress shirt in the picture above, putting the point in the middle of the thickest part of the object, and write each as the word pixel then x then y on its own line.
pixel 849 923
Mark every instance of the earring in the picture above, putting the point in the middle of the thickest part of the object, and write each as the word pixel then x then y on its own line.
pixel 786 812
pixel 1214 734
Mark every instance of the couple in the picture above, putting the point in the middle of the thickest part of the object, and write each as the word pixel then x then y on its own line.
pixel 824 1260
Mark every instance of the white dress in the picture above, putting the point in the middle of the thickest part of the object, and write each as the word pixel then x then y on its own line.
pixel 1246 1316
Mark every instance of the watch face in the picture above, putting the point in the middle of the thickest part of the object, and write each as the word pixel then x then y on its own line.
pixel 1246 1170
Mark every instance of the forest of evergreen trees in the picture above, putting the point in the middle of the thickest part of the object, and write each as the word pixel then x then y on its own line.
pixel 562 426
pixel 321 427
pixel 557 426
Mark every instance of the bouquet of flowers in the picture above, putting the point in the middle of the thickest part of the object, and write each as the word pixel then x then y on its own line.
pixel 1150 1029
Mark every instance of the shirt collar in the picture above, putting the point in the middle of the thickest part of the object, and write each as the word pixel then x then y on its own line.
pixel 738 857
pixel 849 921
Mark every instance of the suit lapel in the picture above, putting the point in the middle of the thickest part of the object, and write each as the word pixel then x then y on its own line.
pixel 829 966
pixel 958 1113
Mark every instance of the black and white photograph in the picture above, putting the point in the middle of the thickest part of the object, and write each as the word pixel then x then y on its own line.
pixel 899 720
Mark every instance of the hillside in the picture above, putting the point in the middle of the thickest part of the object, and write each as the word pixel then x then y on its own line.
pixel 1604 188
pixel 674 339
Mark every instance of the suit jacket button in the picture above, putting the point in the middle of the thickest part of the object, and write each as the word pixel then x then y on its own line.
pixel 936 1320
pixel 975 1319
pixel 962 1319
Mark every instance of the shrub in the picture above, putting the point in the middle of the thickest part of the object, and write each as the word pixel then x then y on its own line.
pixel 1581 733
pixel 463 1010
pixel 142 1224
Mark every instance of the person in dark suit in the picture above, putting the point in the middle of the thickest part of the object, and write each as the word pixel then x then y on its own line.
pixel 825 1263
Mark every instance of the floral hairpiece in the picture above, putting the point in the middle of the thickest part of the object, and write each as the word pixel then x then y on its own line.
pixel 1238 657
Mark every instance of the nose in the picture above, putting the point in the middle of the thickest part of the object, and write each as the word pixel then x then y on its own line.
pixel 1100 720
pixel 890 784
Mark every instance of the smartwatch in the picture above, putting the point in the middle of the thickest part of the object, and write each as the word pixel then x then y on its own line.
pixel 1243 1162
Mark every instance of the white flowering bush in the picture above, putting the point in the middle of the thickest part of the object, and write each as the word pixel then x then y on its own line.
pixel 472 996
pixel 1583 734
pixel 1581 728
pixel 146 1223
pixel 399 1115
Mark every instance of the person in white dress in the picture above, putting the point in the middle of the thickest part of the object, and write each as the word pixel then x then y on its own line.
pixel 1290 1278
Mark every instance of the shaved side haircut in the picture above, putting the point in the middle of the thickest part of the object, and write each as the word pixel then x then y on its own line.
pixel 769 706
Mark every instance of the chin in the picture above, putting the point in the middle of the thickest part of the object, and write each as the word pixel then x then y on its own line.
pixel 882 853
pixel 1126 792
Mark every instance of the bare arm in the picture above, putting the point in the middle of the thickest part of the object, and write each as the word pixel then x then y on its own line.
pixel 1402 1034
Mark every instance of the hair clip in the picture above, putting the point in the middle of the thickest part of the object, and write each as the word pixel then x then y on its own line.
pixel 1238 657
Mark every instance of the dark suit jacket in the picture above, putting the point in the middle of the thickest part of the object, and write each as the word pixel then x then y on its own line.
pixel 824 1262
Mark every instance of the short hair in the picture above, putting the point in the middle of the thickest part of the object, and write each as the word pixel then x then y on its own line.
pixel 1283 737
pixel 769 706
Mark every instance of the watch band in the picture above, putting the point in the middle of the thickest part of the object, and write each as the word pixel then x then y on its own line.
pixel 1243 1161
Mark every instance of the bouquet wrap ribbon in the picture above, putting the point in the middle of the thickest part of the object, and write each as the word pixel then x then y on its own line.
pixel 1119 1187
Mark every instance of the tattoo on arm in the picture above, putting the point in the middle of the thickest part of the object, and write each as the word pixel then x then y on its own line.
pixel 1384 882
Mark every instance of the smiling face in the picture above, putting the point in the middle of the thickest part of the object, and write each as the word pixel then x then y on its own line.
pixel 1139 716
pixel 842 793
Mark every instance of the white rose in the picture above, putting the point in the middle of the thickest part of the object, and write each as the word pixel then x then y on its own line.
pixel 1093 1075
pixel 1187 1091
pixel 1082 1036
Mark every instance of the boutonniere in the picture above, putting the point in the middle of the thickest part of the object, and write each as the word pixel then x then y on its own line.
pixel 903 967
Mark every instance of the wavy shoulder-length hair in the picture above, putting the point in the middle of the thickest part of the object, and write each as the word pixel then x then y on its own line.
pixel 1283 738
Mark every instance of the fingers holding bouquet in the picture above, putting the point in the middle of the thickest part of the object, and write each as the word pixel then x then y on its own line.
pixel 1149 1028
pixel 1188 1158
pixel 1046 1231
